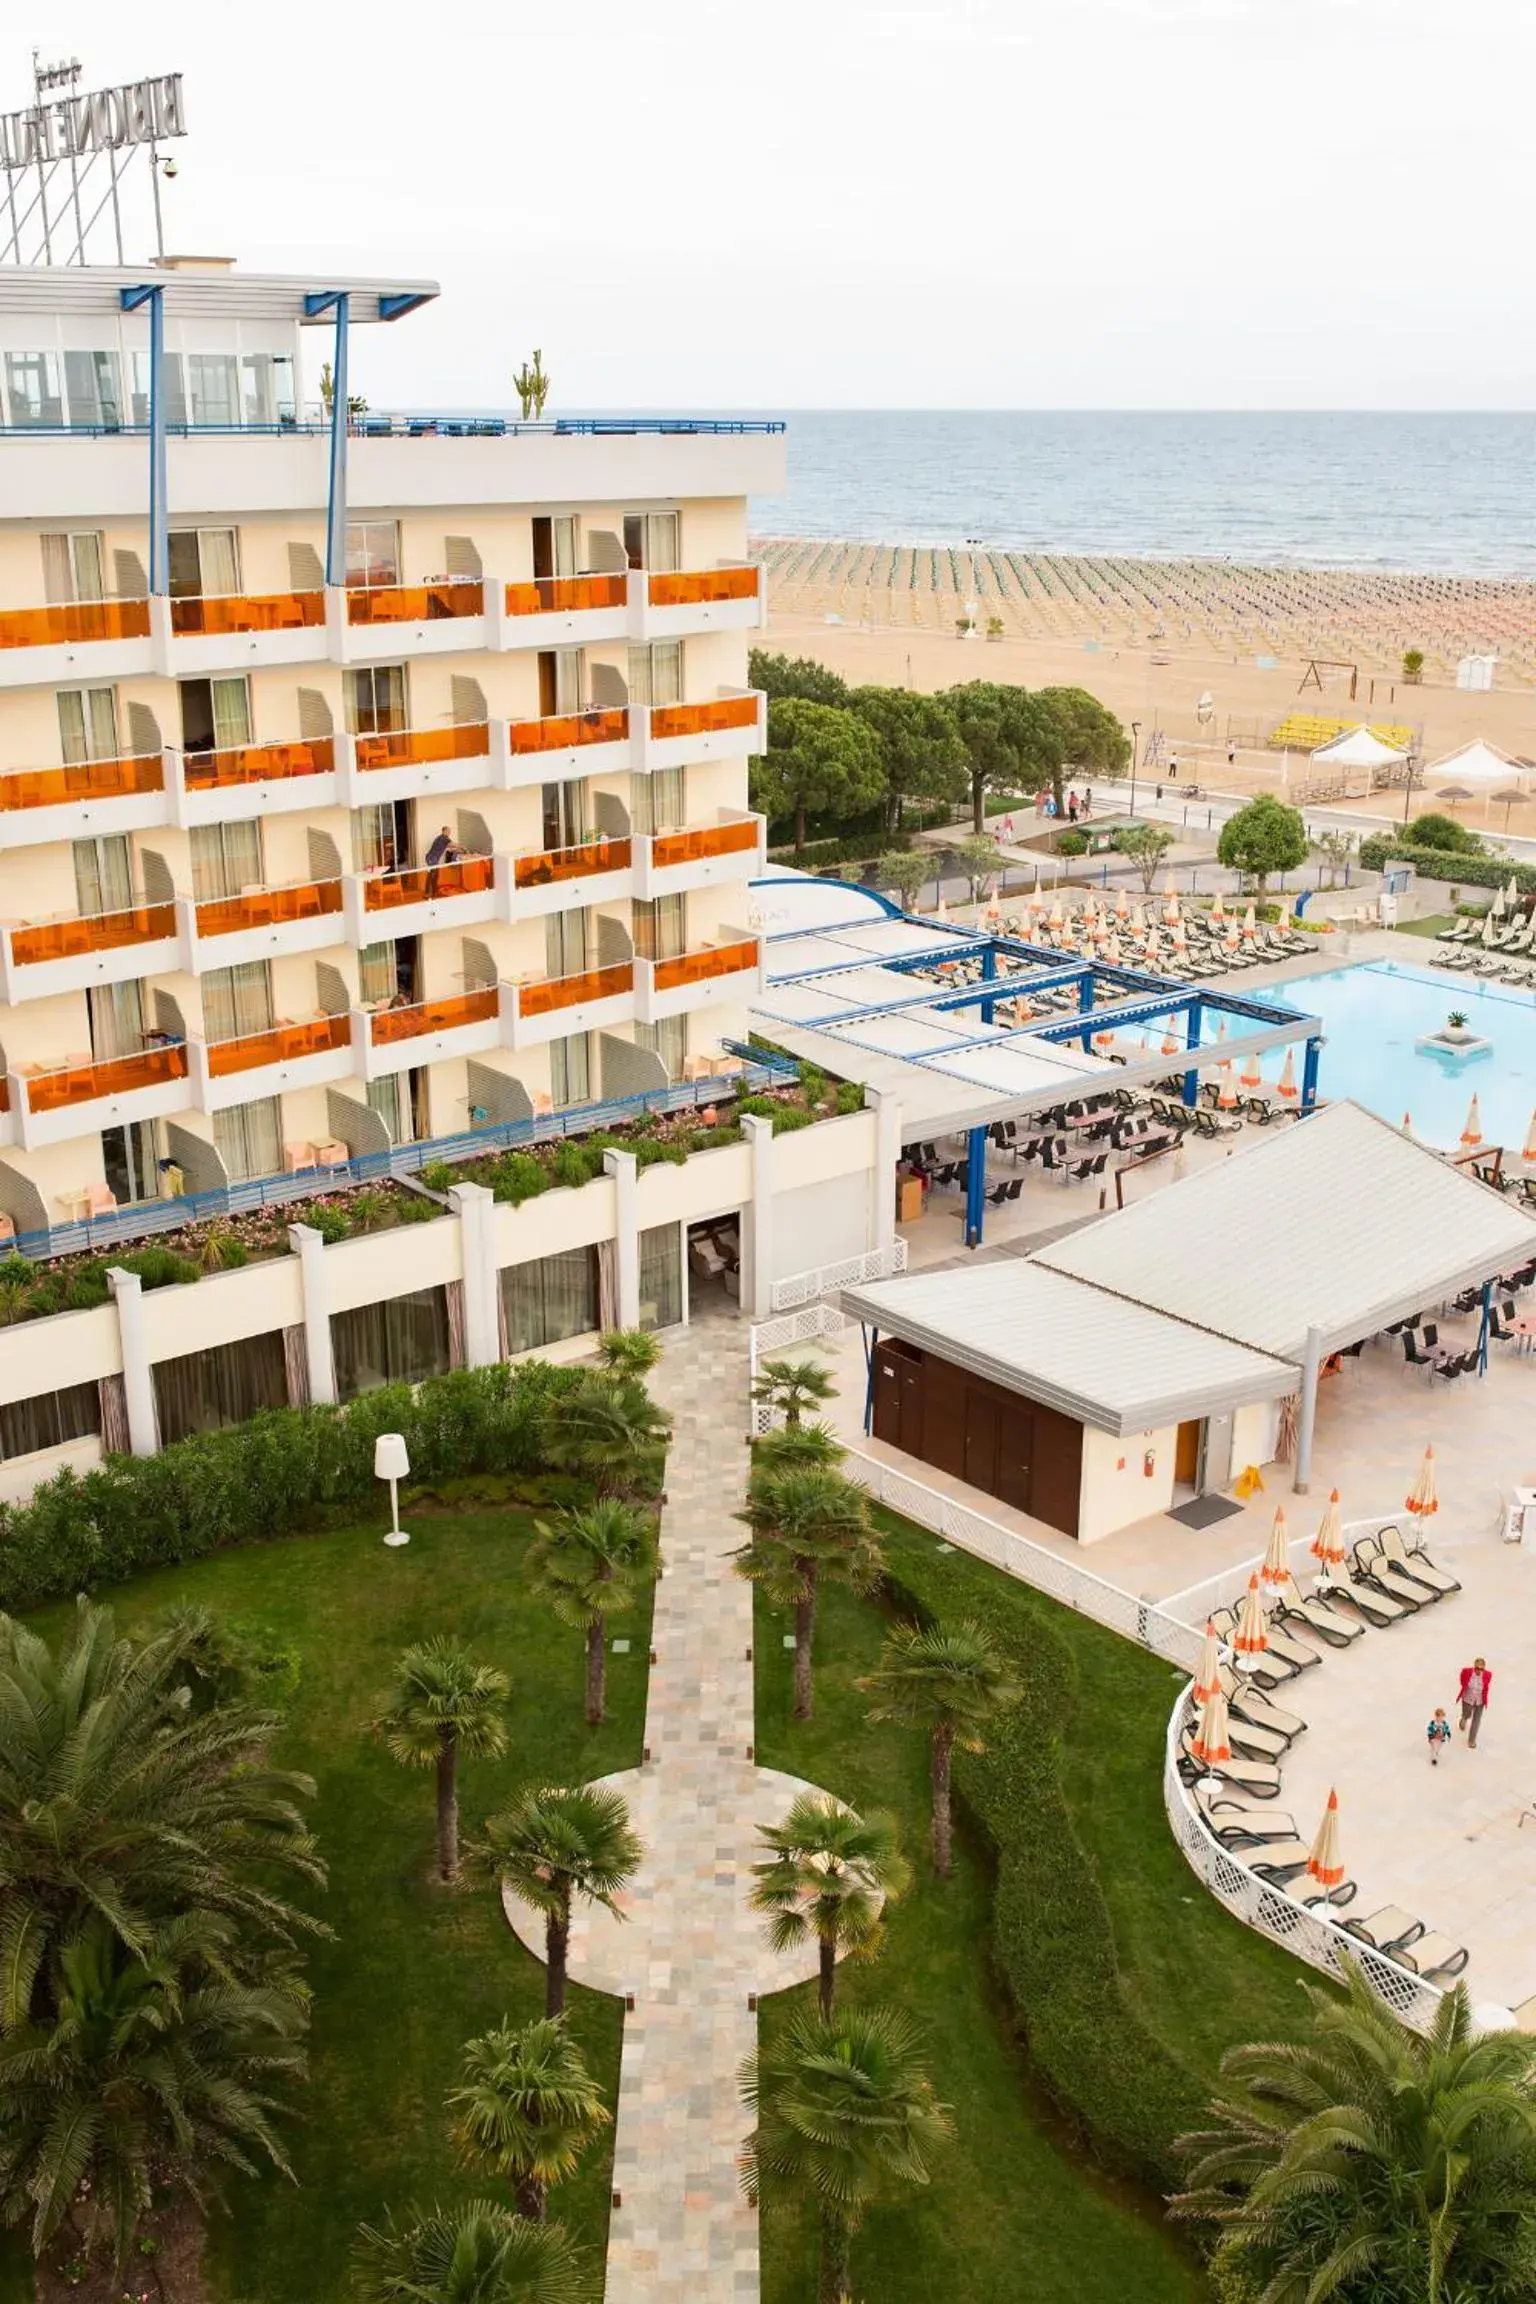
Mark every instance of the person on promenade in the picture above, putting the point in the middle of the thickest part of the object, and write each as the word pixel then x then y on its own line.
pixel 1071 807
pixel 1438 1733
pixel 1476 1683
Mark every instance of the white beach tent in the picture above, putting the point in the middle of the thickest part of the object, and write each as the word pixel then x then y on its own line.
pixel 1357 748
pixel 1477 763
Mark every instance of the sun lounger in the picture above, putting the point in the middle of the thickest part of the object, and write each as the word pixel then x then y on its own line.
pixel 1278 1859
pixel 1277 1664
pixel 1255 1705
pixel 1432 1955
pixel 1237 1825
pixel 1254 1742
pixel 1376 1607
pixel 1414 1560
pixel 1331 1899
pixel 1385 1930
pixel 1326 1622
pixel 1255 1777
pixel 1374 1568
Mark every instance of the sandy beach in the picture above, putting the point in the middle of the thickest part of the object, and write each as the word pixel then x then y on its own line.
pixel 1152 638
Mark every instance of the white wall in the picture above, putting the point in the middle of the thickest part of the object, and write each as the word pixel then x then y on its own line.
pixel 1116 1488
pixel 1255 1430
pixel 817 1224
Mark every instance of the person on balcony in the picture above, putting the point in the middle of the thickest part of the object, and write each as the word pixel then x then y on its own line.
pixel 444 850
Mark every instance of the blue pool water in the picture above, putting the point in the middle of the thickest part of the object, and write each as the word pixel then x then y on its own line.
pixel 1374 1013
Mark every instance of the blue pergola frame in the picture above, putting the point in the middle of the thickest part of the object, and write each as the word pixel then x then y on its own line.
pixel 316 305
pixel 152 293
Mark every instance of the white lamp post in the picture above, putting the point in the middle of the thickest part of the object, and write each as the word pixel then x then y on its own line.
pixel 391 1463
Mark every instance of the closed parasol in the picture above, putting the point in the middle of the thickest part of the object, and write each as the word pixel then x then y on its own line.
pixel 1325 1865
pixel 1421 1499
pixel 1327 1546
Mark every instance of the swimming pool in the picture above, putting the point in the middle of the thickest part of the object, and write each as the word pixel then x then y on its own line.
pixel 1375 1011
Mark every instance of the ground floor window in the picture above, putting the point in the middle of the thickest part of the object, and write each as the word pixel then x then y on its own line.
pixel 49 1419
pixel 661 1277
pixel 667 1039
pixel 397 1342
pixel 249 1139
pixel 549 1299
pixel 228 1384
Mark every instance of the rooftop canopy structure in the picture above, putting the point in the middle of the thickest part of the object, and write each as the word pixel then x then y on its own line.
pixel 1358 749
pixel 1478 763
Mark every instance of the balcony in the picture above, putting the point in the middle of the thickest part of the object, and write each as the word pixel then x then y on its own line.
pixel 430 1031
pixel 415 603
pixel 70 954
pixel 287 1056
pixel 281 1044
pixel 715 974
pixel 566 611
pixel 593 743
pixel 265 923
pixel 74 639
pixel 668 863
pixel 412 763
pixel 41 805
pixel 731 598
pixel 221 615
pixel 83 1094
pixel 722 727
pixel 420 898
pixel 677 590
pixel 241 765
pixel 549 1007
pixel 380 620
pixel 557 879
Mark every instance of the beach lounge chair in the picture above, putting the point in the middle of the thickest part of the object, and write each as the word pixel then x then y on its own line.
pixel 1432 1955
pixel 1385 1930
pixel 1332 1899
pixel 1237 1825
pixel 1255 1777
pixel 1254 1742
pixel 1374 1568
pixel 1256 1706
pixel 1279 1662
pixel 1326 1622
pixel 1376 1607
pixel 1278 1860
pixel 1414 1560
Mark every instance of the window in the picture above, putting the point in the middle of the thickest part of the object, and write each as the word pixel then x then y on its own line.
pixel 221 1385
pixel 565 942
pixel 668 1040
pixel 565 814
pixel 205 563
pixel 72 566
pixel 172 386
pixel 213 388
pixel 659 802
pixel 49 1419
pixel 661 1277
pixel 401 1342
pixel 87 724
pixel 381 836
pixel 390 1098
pixel 554 545
pixel 378 973
pixel 562 681
pixel 237 1001
pixel 376 700
pixel 103 874
pixel 116 1013
pixel 659 925
pixel 373 552
pixel 656 673
pixel 651 540
pixel 32 384
pixel 269 395
pixel 550 1299
pixel 93 382
pixel 249 1139
pixel 225 859
pixel 215 714
pixel 570 1070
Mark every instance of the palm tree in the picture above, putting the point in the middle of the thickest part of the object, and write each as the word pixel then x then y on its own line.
pixel 444 1704
pixel 608 1431
pixel 829 1876
pixel 844 2113
pixel 148 2068
pixel 628 1351
pixel 790 1386
pixel 591 1564
pixel 949 1680
pixel 477 2253
pixel 118 1798
pixel 556 1845
pixel 526 2108
pixel 808 1527
pixel 1369 2165
pixel 798 1447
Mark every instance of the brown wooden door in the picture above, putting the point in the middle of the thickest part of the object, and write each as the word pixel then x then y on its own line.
pixel 1186 1454
pixel 983 1422
pixel 898 1416
pixel 1015 1456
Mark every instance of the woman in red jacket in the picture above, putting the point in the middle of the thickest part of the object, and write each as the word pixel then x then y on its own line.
pixel 1476 1681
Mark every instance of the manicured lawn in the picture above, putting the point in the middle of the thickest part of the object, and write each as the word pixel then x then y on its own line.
pixel 414 1970
pixel 1430 925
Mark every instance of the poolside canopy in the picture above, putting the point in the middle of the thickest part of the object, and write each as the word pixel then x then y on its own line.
pixel 1341 1223
pixel 1358 748
pixel 1478 763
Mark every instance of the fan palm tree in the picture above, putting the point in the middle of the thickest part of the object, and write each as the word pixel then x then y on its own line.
pixel 608 1431
pixel 556 1845
pixel 844 2114
pixel 477 2253
pixel 830 1875
pixel 118 1798
pixel 792 1386
pixel 444 1704
pixel 807 1528
pixel 628 1351
pixel 949 1680
pixel 526 2108
pixel 798 1447
pixel 150 2067
pixel 590 1564
pixel 1369 2165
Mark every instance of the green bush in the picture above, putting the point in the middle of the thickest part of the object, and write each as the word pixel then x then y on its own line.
pixel 278 1475
pixel 850 1096
pixel 1447 864
pixel 575 1163
pixel 519 1177
pixel 788 1117
pixel 863 848
pixel 813 1084
pixel 437 1175
pixel 329 1219
pixel 757 1107
pixel 1435 831
pixel 1071 843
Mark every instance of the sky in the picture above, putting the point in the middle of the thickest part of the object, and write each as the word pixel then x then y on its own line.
pixel 832 203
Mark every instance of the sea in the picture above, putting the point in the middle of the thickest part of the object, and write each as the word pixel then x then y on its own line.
pixel 1446 493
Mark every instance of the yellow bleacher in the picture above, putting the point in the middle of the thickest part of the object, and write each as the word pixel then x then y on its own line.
pixel 1309 731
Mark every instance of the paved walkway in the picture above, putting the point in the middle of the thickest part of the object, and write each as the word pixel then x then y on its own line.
pixel 690 1949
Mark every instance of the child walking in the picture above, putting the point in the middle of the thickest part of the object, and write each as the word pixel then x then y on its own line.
pixel 1439 1734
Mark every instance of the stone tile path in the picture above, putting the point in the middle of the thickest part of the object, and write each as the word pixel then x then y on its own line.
pixel 689 1948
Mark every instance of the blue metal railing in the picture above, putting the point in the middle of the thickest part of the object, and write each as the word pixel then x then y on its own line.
pixel 392 427
pixel 148 1218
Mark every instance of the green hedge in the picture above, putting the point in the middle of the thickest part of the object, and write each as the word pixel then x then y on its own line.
pixel 276 1476
pixel 1053 1935
pixel 867 848
pixel 1448 864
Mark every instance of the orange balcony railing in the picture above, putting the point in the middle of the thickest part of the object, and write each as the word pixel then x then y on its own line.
pixel 567 595
pixel 114 1076
pixel 710 840
pixel 85 780
pixel 547 864
pixel 415 603
pixel 408 747
pixel 278 1045
pixel 95 932
pixel 425 883
pixel 268 907
pixel 699 967
pixel 551 992
pixel 698 589
pixel 703 719
pixel 74 620
pixel 248 612
pixel 569 729
pixel 257 764
pixel 390 1024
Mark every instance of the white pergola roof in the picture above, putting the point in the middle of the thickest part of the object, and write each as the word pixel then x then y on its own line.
pixel 1119 1366
pixel 1341 1223
pixel 1358 748
pixel 225 293
pixel 1477 763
